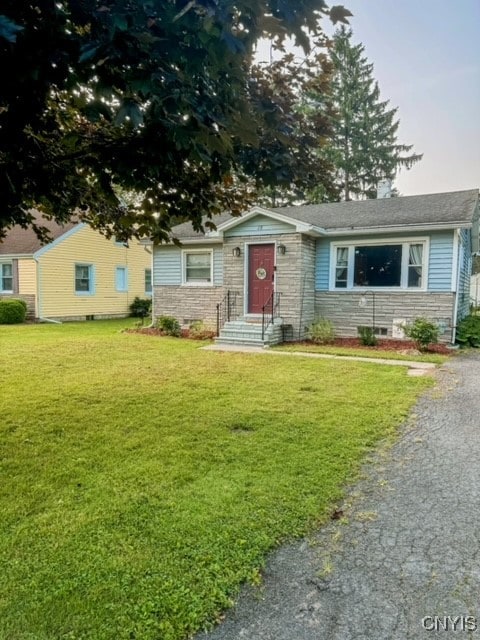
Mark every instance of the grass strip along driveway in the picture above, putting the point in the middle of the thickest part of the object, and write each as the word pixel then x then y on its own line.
pixel 142 480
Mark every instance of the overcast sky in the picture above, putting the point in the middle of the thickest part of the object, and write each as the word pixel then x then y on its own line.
pixel 426 56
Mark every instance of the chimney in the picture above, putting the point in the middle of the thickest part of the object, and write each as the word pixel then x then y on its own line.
pixel 384 188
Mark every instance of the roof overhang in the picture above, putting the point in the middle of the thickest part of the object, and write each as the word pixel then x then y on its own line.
pixel 435 226
pixel 14 256
pixel 208 239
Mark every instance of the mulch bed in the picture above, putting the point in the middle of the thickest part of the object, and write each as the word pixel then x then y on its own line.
pixel 400 346
pixel 383 345
pixel 185 333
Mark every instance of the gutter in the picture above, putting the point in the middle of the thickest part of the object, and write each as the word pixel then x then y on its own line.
pixel 150 251
pixel 189 241
pixel 318 232
pixel 393 228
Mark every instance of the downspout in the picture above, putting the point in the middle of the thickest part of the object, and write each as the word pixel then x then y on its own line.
pixel 39 307
pixel 152 323
pixel 455 281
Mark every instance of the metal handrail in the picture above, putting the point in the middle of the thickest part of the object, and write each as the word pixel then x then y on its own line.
pixel 226 309
pixel 270 311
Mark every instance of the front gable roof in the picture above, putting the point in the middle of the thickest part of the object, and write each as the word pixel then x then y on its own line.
pixel 274 214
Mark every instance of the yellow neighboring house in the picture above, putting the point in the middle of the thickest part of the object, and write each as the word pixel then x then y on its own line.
pixel 79 275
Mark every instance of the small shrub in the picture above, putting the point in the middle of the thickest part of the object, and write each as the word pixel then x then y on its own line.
pixel 12 311
pixel 198 331
pixel 367 336
pixel 468 331
pixel 22 302
pixel 423 332
pixel 321 331
pixel 140 307
pixel 169 325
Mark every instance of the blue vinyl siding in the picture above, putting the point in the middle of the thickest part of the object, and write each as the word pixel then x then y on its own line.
pixel 167 264
pixel 259 226
pixel 465 269
pixel 439 259
pixel 218 266
pixel 322 265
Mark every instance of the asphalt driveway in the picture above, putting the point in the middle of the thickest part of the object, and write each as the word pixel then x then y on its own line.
pixel 402 560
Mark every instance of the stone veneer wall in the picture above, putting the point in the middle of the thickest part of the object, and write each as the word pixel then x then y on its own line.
pixel 295 274
pixel 234 269
pixel 308 285
pixel 343 310
pixel 187 303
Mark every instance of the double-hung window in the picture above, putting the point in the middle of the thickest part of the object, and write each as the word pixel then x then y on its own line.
pixel 6 277
pixel 84 284
pixel 148 282
pixel 341 268
pixel 197 267
pixel 384 265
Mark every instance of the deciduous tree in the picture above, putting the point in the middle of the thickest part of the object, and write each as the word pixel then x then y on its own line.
pixel 287 165
pixel 149 96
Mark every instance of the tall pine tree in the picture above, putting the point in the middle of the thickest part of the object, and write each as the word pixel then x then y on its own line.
pixel 364 146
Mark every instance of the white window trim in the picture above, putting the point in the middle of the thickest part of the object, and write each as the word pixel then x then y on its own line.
pixel 148 293
pixel 185 282
pixel 405 241
pixel 2 290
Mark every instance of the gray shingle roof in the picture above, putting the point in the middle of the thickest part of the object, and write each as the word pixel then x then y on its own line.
pixel 438 208
pixel 185 231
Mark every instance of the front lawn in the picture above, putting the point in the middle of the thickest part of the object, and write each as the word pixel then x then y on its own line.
pixel 142 480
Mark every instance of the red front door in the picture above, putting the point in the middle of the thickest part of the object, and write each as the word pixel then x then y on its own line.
pixel 261 263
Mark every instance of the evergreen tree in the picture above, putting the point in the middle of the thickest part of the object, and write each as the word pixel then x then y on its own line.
pixel 364 147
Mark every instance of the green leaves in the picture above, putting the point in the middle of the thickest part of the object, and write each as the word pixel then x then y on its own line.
pixel 156 97
pixel 364 148
pixel 88 52
pixel 339 13
pixel 129 111
pixel 9 29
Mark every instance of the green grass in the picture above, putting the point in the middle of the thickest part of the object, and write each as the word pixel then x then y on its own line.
pixel 364 353
pixel 142 480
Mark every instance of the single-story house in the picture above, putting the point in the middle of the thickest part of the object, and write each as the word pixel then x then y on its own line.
pixel 78 275
pixel 268 274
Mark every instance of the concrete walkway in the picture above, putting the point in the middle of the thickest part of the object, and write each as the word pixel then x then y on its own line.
pixel 415 368
pixel 402 561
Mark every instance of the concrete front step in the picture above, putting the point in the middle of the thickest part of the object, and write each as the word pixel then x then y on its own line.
pixel 248 333
pixel 246 342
